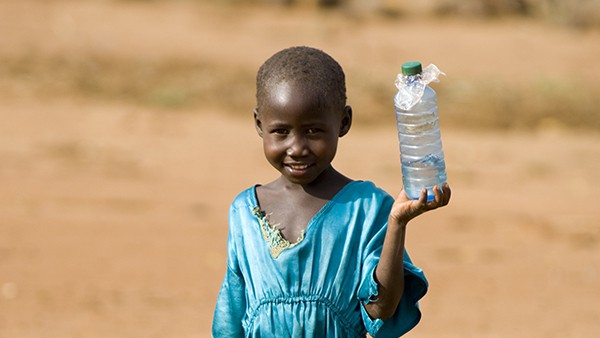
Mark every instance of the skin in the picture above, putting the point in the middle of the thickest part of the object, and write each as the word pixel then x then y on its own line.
pixel 300 132
pixel 300 137
pixel 390 269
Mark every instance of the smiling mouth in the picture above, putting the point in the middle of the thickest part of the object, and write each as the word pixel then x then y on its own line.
pixel 298 166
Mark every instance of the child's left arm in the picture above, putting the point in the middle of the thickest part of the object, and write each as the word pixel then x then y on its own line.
pixel 390 269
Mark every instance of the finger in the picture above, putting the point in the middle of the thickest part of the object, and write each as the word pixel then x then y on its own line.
pixel 422 201
pixel 435 202
pixel 403 196
pixel 437 195
pixel 447 193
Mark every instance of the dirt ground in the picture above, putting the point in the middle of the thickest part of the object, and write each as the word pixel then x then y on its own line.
pixel 113 214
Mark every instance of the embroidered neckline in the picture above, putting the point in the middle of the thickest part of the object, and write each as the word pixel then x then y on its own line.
pixel 272 235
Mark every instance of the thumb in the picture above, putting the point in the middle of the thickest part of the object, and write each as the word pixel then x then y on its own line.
pixel 405 209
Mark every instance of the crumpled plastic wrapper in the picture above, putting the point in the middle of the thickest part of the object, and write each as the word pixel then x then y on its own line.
pixel 412 87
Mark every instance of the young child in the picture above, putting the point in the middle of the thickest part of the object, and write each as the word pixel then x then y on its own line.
pixel 315 253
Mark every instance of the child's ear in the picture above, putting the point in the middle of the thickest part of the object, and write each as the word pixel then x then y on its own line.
pixel 346 121
pixel 257 123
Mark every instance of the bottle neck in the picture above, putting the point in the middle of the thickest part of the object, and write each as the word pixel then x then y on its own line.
pixel 412 79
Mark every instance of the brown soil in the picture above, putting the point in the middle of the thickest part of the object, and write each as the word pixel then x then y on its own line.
pixel 113 212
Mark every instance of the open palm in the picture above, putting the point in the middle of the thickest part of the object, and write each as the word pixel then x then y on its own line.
pixel 405 209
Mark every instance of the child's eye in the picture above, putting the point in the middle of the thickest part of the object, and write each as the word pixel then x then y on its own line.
pixel 280 131
pixel 313 130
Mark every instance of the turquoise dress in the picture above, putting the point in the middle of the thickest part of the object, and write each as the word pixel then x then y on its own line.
pixel 318 286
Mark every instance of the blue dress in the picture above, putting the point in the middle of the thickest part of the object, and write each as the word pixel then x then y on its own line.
pixel 316 287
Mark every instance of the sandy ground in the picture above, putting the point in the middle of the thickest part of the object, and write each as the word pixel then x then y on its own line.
pixel 113 216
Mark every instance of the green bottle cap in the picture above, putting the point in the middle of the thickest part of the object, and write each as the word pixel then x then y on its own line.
pixel 411 68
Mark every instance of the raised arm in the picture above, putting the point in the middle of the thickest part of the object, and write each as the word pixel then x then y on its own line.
pixel 390 269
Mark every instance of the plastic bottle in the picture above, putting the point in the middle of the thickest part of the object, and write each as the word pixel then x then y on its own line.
pixel 421 152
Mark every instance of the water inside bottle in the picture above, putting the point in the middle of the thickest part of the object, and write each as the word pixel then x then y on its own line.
pixel 423 173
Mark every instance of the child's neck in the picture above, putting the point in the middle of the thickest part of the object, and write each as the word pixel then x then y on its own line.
pixel 292 206
pixel 324 187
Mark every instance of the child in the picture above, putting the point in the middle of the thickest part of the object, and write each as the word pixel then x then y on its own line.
pixel 315 253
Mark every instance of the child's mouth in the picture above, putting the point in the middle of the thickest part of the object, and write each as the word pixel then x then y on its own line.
pixel 298 166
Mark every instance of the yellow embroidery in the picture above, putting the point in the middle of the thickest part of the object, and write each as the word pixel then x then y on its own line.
pixel 272 235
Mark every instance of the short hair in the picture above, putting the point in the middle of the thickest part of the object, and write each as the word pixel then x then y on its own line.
pixel 306 65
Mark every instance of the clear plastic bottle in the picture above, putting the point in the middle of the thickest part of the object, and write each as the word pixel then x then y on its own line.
pixel 421 152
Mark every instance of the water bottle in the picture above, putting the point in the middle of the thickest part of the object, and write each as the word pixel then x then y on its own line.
pixel 421 152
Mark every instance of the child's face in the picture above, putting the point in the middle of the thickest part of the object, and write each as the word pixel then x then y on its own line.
pixel 300 132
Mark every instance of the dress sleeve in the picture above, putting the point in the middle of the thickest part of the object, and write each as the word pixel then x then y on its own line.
pixel 231 302
pixel 231 307
pixel 407 314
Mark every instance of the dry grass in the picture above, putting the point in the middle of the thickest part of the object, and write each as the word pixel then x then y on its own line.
pixel 166 83
pixel 580 14
pixel 184 84
pixel 526 76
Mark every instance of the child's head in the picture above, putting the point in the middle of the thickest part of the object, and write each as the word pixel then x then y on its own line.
pixel 301 112
pixel 307 66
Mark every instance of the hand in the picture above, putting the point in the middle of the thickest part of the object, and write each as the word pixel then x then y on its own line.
pixel 405 209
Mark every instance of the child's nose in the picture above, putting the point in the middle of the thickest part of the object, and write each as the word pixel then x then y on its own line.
pixel 298 147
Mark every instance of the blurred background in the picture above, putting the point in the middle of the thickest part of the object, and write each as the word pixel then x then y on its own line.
pixel 126 131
